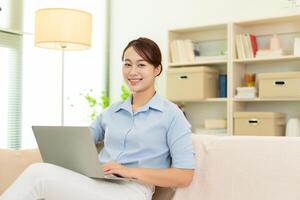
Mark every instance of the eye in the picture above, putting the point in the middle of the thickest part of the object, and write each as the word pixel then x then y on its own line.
pixel 127 65
pixel 142 65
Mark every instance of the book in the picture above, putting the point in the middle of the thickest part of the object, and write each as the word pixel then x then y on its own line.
pixel 182 51
pixel 222 85
pixel 247 48
pixel 246 92
pixel 238 46
pixel 253 44
pixel 246 45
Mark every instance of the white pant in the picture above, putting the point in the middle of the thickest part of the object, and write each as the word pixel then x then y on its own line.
pixel 51 182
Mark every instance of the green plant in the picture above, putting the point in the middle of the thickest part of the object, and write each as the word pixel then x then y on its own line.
pixel 96 105
pixel 124 92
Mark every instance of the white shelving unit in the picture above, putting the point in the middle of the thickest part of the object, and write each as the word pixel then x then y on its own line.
pixel 212 40
pixel 219 38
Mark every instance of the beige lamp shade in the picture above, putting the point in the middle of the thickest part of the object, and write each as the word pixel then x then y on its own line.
pixel 57 28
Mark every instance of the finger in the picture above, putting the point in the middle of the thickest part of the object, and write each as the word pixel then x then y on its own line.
pixel 109 172
pixel 107 166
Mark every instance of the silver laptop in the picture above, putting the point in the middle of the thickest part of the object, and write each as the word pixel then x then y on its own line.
pixel 71 148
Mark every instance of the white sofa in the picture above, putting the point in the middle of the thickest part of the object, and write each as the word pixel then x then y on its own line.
pixel 228 168
pixel 245 168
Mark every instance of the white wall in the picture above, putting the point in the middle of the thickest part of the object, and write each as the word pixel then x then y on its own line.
pixel 134 18
pixel 84 70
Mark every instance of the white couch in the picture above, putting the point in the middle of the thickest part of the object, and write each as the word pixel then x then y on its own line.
pixel 228 168
pixel 245 168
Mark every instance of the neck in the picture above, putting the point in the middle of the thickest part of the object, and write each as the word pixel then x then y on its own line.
pixel 141 98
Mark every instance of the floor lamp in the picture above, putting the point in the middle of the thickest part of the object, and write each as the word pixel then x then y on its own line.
pixel 63 29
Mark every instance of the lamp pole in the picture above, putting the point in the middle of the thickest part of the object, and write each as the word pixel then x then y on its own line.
pixel 62 83
pixel 53 31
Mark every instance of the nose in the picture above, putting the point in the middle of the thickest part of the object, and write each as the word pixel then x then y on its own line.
pixel 133 70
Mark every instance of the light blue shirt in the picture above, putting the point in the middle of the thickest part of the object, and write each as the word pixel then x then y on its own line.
pixel 157 135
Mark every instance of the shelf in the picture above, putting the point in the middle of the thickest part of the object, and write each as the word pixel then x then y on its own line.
pixel 204 62
pixel 208 100
pixel 264 100
pixel 267 59
pixel 211 40
pixel 215 100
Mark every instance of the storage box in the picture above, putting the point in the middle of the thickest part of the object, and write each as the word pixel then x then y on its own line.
pixel 259 123
pixel 192 83
pixel 279 85
pixel 215 123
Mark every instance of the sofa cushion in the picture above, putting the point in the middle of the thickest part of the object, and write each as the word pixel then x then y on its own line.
pixel 13 163
pixel 244 167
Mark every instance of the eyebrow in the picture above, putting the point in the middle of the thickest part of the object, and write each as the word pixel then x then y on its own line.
pixel 126 59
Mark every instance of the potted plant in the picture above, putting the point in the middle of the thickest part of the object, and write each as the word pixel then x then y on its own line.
pixel 98 104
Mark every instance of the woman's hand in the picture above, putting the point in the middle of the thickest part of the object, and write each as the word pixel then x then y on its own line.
pixel 113 168
pixel 168 177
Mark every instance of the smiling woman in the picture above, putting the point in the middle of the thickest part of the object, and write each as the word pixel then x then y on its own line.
pixel 146 139
pixel 141 64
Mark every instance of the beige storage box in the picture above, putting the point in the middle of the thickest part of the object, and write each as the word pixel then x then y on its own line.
pixel 279 85
pixel 259 123
pixel 215 123
pixel 192 83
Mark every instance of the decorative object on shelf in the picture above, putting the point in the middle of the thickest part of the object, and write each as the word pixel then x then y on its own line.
pixel 275 49
pixel 297 47
pixel 249 80
pixel 262 53
pixel 197 51
pixel 222 85
pixel 63 29
pixel 215 123
pixel 275 43
pixel 246 93
pixel 293 128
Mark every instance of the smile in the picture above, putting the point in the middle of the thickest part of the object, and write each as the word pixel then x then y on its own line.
pixel 135 81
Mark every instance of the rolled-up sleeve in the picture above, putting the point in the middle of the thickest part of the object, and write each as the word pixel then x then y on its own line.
pixel 180 142
pixel 96 129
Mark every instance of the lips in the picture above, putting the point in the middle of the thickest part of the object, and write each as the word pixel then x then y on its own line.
pixel 134 81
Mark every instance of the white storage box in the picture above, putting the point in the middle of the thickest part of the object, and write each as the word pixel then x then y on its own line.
pixel 192 83
pixel 279 85
pixel 259 123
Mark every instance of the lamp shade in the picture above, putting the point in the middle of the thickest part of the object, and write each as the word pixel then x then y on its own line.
pixel 57 28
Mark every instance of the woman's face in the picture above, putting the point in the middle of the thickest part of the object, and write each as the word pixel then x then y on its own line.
pixel 138 74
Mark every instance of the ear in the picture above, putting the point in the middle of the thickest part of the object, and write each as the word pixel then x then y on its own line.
pixel 157 70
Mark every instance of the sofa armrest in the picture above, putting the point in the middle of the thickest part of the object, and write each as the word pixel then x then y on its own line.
pixel 13 163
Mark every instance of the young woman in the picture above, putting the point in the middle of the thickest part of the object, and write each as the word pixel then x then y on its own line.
pixel 146 138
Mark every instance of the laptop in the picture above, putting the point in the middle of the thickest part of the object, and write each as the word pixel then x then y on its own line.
pixel 71 148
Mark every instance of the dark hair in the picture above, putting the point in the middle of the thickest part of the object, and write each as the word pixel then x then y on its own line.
pixel 147 49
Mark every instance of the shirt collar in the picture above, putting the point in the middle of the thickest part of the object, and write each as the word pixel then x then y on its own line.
pixel 156 102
